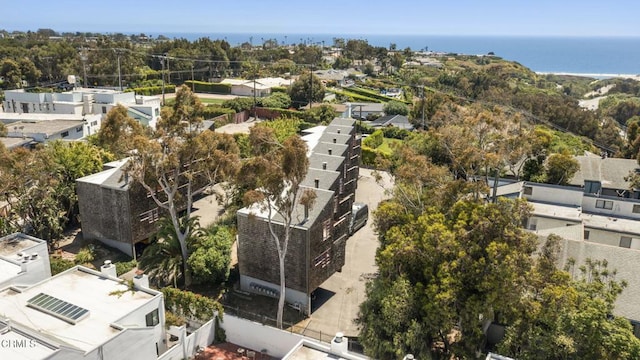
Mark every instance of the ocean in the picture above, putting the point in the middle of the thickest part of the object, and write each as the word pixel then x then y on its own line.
pixel 595 56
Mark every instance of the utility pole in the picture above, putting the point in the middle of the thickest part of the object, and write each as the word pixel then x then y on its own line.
pixel 84 58
pixel 424 125
pixel 311 87
pixel 168 70
pixel 162 72
pixel 119 72
pixel 193 85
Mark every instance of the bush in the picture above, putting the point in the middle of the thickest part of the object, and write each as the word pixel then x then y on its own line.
pixel 85 255
pixel 210 260
pixel 370 157
pixel 152 90
pixel 279 89
pixel 374 140
pixel 276 100
pixel 239 104
pixel 59 264
pixel 207 87
pixel 123 267
pixel 211 111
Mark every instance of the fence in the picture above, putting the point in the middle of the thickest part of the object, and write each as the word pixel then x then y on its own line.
pixel 324 337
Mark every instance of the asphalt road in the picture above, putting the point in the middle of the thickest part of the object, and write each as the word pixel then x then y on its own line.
pixel 337 300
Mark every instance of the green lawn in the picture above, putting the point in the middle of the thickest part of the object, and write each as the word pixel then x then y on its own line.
pixel 211 101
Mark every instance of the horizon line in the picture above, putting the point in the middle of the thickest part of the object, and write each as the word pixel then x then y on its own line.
pixel 344 34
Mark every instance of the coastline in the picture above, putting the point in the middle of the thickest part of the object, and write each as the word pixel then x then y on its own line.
pixel 595 76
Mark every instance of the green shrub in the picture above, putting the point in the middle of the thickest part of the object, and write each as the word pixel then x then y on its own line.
pixel 279 89
pixel 86 255
pixel 59 264
pixel 207 87
pixel 374 140
pixel 123 267
pixel 152 90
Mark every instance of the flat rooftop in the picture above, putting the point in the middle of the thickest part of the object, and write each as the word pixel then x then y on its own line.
pixel 589 220
pixel 8 117
pixel 81 287
pixel 11 143
pixel 11 245
pixel 25 347
pixel 43 126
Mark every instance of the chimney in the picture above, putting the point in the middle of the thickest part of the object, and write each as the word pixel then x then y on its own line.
pixel 317 183
pixel 30 263
pixel 339 344
pixel 330 151
pixel 108 269
pixel 324 166
pixel 141 279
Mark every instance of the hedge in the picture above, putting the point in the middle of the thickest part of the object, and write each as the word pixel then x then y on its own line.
pixel 354 96
pixel 152 90
pixel 373 94
pixel 370 156
pixel 209 112
pixel 282 89
pixel 207 87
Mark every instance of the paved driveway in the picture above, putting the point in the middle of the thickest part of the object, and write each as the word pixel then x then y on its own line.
pixel 338 299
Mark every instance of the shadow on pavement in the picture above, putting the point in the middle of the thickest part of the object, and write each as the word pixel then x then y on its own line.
pixel 319 297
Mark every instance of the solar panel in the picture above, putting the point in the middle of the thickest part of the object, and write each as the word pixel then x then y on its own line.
pixel 58 308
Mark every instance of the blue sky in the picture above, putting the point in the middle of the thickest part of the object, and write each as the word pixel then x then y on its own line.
pixel 443 17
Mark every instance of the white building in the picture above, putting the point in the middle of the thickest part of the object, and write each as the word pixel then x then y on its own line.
pixel 42 128
pixel 24 260
pixel 82 314
pixel 81 101
pixel 261 87
pixel 598 217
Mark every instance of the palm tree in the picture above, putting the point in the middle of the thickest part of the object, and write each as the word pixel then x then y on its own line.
pixel 162 260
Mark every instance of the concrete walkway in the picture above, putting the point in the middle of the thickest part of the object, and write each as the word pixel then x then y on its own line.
pixel 338 299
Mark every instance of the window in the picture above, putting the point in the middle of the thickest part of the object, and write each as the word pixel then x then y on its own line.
pixel 65 134
pixel 586 234
pixel 625 241
pixel 323 260
pixel 152 318
pixel 79 129
pixel 157 111
pixel 94 123
pixel 533 224
pixel 591 187
pixel 604 204
pixel 326 230
pixel 104 109
pixel 528 190
pixel 636 209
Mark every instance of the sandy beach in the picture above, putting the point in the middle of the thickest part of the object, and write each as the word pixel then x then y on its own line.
pixel 595 76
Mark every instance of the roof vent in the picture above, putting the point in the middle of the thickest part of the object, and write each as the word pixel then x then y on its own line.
pixel 330 151
pixel 334 140
pixel 317 183
pixel 338 131
pixel 34 256
pixel 324 166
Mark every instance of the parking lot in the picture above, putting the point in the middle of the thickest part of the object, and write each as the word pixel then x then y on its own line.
pixel 337 301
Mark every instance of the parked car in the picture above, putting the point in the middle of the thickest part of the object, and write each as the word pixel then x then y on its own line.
pixel 359 217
